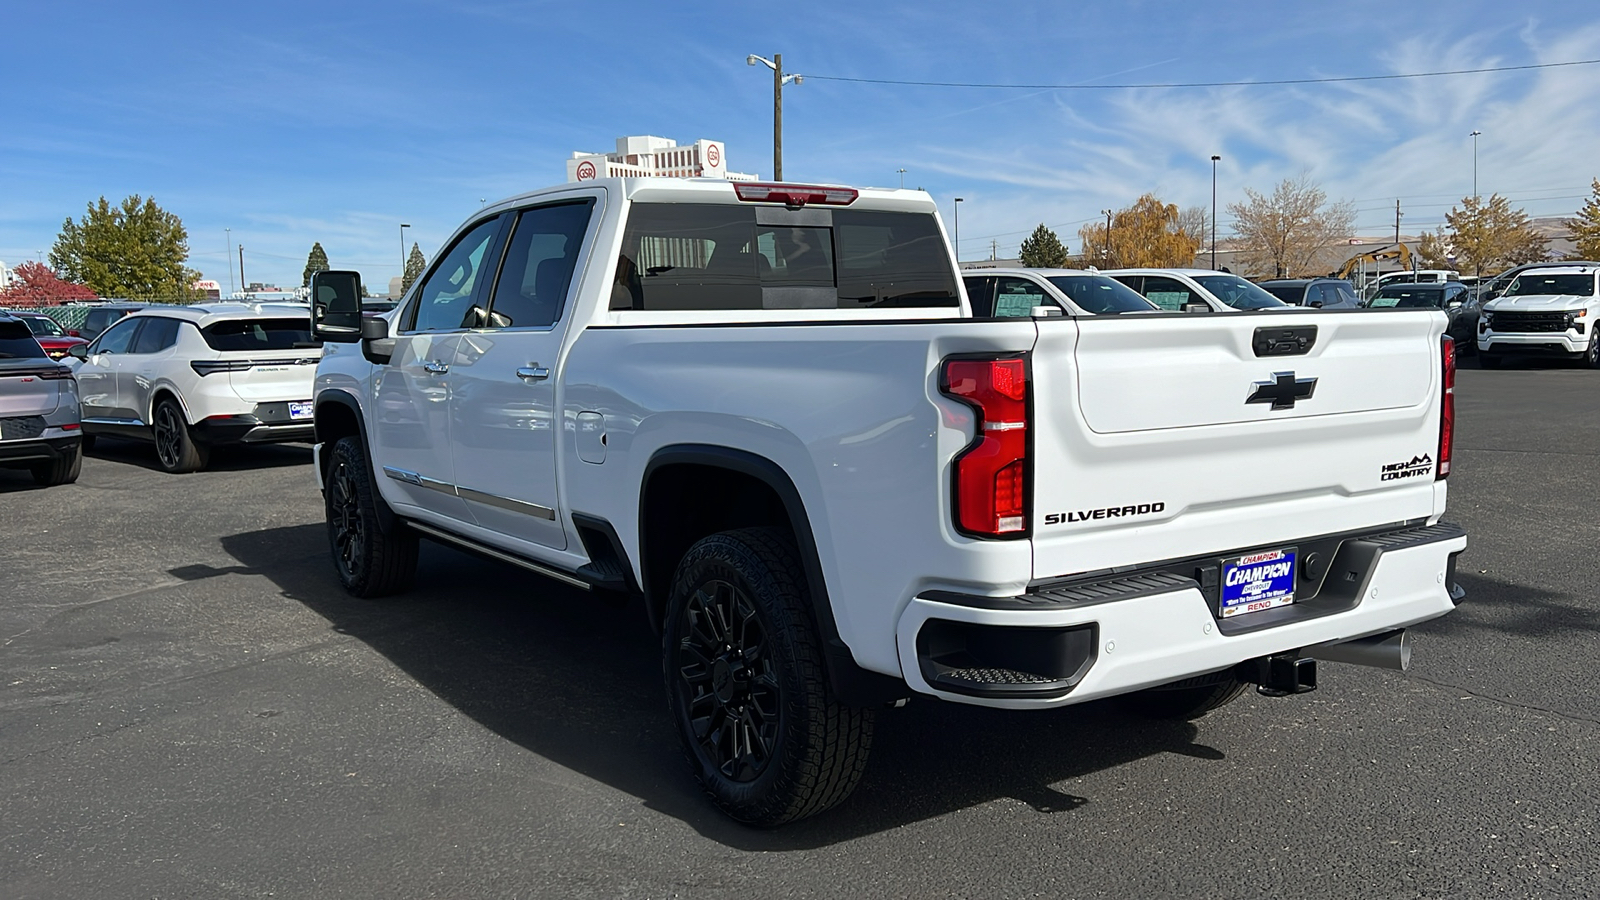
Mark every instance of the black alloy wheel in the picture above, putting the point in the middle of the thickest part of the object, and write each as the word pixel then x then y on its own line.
pixel 371 561
pixel 1591 354
pixel 727 681
pixel 747 687
pixel 175 448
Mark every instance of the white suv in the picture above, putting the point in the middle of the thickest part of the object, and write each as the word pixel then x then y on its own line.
pixel 192 377
pixel 1549 312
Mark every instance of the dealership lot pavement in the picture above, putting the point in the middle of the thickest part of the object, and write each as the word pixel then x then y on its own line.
pixel 191 707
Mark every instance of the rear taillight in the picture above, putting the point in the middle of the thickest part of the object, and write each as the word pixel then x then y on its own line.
pixel 991 474
pixel 55 373
pixel 204 367
pixel 1447 408
pixel 795 195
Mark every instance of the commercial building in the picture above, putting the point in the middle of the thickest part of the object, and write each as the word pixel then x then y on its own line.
pixel 646 156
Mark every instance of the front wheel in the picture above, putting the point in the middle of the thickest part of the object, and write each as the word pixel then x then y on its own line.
pixel 746 685
pixel 176 448
pixel 370 561
pixel 1591 354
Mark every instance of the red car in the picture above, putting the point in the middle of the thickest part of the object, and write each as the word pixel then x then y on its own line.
pixel 49 333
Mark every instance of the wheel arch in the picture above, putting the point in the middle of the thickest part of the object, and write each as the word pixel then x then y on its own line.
pixel 755 491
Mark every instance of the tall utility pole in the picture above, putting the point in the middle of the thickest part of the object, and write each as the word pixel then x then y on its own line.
pixel 1108 235
pixel 778 81
pixel 957 236
pixel 1475 133
pixel 228 232
pixel 244 286
pixel 1397 215
pixel 994 250
pixel 403 227
pixel 1214 159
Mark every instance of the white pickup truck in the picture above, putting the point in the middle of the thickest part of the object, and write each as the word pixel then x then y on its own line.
pixel 767 411
pixel 1550 311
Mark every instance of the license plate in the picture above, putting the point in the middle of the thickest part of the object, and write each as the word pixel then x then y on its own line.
pixel 300 409
pixel 1257 582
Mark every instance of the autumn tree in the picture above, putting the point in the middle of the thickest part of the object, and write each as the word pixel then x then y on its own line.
pixel 133 249
pixel 1483 237
pixel 37 286
pixel 1043 250
pixel 1585 229
pixel 316 261
pixel 1148 233
pixel 1286 233
pixel 414 266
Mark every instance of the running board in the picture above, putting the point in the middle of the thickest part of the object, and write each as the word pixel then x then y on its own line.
pixel 501 555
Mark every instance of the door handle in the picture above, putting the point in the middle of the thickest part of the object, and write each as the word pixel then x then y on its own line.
pixel 534 372
pixel 434 367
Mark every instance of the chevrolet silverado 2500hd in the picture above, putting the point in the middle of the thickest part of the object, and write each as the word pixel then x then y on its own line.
pixel 767 410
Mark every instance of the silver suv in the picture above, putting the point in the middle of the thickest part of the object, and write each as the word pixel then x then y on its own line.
pixel 38 409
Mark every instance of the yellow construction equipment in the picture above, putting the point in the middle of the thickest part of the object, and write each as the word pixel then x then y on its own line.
pixel 1398 252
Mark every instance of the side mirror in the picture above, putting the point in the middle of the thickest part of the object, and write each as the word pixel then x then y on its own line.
pixel 1315 304
pixel 374 328
pixel 79 351
pixel 1196 306
pixel 336 306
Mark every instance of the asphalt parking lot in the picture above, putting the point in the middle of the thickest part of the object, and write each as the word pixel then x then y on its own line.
pixel 191 707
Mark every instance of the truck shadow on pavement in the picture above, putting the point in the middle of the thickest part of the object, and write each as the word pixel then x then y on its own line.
pixel 233 458
pixel 576 680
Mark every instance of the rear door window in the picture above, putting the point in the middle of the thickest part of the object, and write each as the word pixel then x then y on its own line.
pixel 1016 298
pixel 722 256
pixel 1167 293
pixel 260 334
pixel 159 333
pixel 16 342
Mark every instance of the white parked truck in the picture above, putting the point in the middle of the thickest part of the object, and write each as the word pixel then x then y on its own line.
pixel 1548 312
pixel 767 411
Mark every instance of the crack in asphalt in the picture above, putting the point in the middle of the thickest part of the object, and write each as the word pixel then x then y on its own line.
pixel 1506 701
pixel 68 610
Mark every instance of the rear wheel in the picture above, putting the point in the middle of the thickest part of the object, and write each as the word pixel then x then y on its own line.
pixel 370 561
pixel 1187 699
pixel 175 446
pixel 88 442
pixel 61 470
pixel 746 684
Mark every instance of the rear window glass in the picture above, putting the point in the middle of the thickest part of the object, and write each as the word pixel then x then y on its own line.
pixel 260 334
pixel 1408 298
pixel 1288 293
pixel 709 256
pixel 16 342
pixel 42 325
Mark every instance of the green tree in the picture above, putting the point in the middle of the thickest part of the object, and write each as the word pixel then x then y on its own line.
pixel 1585 229
pixel 414 266
pixel 1484 237
pixel 1147 234
pixel 317 261
pixel 1043 250
pixel 133 249
pixel 1288 233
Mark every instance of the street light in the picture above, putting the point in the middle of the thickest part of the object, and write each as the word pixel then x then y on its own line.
pixel 778 81
pixel 403 227
pixel 1475 134
pixel 227 251
pixel 958 232
pixel 1214 159
pixel 902 178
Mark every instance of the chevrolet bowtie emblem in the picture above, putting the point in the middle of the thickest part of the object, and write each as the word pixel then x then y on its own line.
pixel 1282 391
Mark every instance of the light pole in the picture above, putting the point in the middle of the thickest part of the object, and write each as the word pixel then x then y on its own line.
pixel 958 232
pixel 403 227
pixel 226 247
pixel 244 290
pixel 1475 133
pixel 1214 159
pixel 1107 213
pixel 902 178
pixel 778 81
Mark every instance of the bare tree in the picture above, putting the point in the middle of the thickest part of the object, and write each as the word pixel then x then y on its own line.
pixel 1195 221
pixel 1286 234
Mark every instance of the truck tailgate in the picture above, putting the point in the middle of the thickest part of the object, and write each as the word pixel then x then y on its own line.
pixel 1163 437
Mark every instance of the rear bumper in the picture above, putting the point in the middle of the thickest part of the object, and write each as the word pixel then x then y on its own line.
pixel 37 450
pixel 1141 631
pixel 269 423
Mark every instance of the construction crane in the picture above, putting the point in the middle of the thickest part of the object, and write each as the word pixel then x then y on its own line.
pixel 1398 251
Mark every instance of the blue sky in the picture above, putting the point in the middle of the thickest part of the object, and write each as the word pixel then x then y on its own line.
pixel 298 122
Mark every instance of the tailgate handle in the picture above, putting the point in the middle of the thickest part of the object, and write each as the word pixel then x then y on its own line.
pixel 1285 341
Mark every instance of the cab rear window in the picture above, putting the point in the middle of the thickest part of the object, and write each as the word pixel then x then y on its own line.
pixel 713 256
pixel 260 334
pixel 16 342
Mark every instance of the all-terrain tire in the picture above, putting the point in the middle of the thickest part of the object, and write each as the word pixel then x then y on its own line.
pixel 176 448
pixel 746 685
pixel 1183 700
pixel 1591 354
pixel 61 470
pixel 370 562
